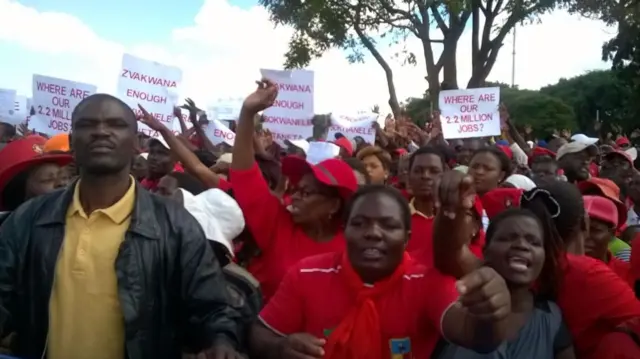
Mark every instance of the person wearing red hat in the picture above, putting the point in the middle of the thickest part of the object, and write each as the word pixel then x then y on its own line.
pixel 26 171
pixel 623 143
pixel 603 221
pixel 346 147
pixel 311 225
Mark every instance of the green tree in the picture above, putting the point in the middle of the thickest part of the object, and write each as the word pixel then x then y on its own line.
pixel 596 95
pixel 542 112
pixel 356 25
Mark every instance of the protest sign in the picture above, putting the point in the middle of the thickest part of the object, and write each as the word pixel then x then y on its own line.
pixel 225 109
pixel 360 125
pixel 152 85
pixel 218 132
pixel 290 116
pixel 7 104
pixel 470 113
pixel 53 101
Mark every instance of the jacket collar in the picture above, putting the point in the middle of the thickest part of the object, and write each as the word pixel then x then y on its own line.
pixel 143 218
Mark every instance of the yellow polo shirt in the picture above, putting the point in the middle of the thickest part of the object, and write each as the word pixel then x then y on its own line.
pixel 85 319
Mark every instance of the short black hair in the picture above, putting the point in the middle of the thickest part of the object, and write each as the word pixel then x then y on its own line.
pixel 103 97
pixel 385 190
pixel 505 163
pixel 188 183
pixel 359 166
pixel 428 150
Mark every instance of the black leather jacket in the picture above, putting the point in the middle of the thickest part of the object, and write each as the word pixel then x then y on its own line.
pixel 171 288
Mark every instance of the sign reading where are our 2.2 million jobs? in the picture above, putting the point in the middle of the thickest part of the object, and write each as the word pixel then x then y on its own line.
pixel 470 113
pixel 152 85
pixel 53 101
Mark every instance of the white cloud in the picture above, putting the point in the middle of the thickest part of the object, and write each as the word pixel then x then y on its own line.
pixel 222 51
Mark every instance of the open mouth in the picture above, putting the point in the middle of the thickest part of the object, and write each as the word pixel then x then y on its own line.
pixel 518 264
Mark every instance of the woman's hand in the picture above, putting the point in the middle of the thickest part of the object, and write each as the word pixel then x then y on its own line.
pixel 263 97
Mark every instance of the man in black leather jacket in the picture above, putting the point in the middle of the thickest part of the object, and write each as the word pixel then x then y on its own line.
pixel 170 289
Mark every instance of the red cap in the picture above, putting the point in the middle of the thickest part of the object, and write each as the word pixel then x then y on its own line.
pixel 507 151
pixel 500 199
pixel 23 154
pixel 606 188
pixel 346 144
pixel 540 151
pixel 602 209
pixel 622 154
pixel 622 141
pixel 332 172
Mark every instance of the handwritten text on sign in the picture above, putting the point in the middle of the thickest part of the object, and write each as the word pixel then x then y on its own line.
pixel 470 113
pixel 152 85
pixel 290 116
pixel 53 101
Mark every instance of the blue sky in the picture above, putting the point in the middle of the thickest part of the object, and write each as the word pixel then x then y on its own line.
pixel 130 21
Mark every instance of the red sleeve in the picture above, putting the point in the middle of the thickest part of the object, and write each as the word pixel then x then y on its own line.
pixel 284 313
pixel 611 300
pixel 436 303
pixel 262 210
pixel 224 185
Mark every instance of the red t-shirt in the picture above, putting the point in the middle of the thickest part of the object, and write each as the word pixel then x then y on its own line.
pixel 594 300
pixel 621 268
pixel 281 242
pixel 224 185
pixel 314 298
pixel 420 244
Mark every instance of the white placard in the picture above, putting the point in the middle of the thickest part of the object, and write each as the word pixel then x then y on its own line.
pixel 7 104
pixel 218 132
pixel 290 116
pixel 53 101
pixel 470 113
pixel 320 151
pixel 360 125
pixel 227 109
pixel 152 85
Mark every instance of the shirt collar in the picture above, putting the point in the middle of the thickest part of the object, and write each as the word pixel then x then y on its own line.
pixel 118 212
pixel 415 211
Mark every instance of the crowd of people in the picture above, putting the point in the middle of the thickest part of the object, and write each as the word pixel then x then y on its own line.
pixel 115 245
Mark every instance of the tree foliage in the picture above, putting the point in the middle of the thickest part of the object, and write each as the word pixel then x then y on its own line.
pixel 597 95
pixel 573 103
pixel 356 25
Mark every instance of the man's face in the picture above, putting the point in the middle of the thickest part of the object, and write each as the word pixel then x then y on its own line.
pixel 104 137
pixel 159 162
pixel 576 165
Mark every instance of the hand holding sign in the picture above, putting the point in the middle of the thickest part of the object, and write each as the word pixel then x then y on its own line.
pixel 263 97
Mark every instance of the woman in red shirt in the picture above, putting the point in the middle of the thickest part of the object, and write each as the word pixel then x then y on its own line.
pixel 373 301
pixel 310 225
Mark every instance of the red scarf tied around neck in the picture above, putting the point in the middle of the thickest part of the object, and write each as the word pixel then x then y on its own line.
pixel 358 335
